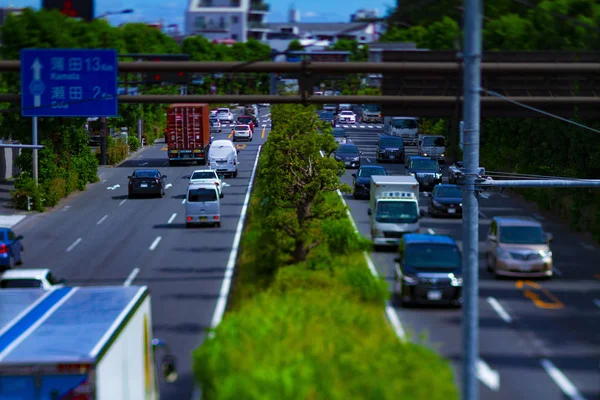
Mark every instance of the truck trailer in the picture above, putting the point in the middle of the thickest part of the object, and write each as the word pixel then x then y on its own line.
pixel 188 133
pixel 394 208
pixel 79 343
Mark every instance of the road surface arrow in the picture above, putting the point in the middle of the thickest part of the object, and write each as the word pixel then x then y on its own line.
pixel 113 187
pixel 142 164
pixel 168 185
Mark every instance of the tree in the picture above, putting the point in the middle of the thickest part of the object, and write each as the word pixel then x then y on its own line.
pixel 298 179
pixel 295 46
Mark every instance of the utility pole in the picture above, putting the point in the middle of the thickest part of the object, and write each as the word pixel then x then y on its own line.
pixel 471 117
pixel 34 140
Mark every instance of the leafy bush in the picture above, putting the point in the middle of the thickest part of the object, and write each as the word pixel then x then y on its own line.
pixel 316 344
pixel 133 142
pixel 116 151
pixel 26 193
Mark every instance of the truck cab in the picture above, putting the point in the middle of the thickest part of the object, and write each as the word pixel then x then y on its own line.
pixel 394 208
pixel 405 127
pixel 433 146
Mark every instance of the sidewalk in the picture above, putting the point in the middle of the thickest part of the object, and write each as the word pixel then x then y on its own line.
pixel 9 215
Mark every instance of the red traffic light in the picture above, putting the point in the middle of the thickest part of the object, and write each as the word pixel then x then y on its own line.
pixel 157 77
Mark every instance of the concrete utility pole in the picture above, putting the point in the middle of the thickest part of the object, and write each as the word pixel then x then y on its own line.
pixel 471 117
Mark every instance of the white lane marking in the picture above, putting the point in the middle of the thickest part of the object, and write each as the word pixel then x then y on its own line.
pixel 226 285
pixel 430 231
pixel 597 302
pixel 561 380
pixel 183 201
pixel 75 243
pixel 362 126
pixel 557 271
pixel 102 220
pixel 113 187
pixel 155 243
pixel 499 309
pixel 587 246
pixel 389 310
pixel 168 185
pixel 131 277
pixel 370 126
pixel 482 215
pixel 143 164
pixel 368 160
pixel 488 376
pixel 172 218
pixel 122 202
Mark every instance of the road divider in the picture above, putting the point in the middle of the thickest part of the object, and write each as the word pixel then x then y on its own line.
pixel 539 295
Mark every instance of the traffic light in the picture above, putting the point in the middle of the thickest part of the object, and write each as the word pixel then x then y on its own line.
pixel 175 78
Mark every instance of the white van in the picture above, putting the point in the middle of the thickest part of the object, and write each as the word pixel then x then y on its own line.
pixel 223 157
pixel 202 205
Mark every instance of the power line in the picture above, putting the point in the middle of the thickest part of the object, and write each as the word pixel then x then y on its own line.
pixel 496 94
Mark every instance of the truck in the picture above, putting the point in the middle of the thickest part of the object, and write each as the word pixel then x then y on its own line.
pixel 188 133
pixel 394 208
pixel 433 146
pixel 80 343
pixel 405 127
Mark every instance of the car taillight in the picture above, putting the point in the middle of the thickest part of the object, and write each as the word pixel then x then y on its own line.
pixel 217 183
pixel 157 180
pixel 216 217
pixel 189 218
pixel 3 249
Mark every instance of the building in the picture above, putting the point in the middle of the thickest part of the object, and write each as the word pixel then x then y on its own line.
pixel 6 11
pixel 237 20
pixel 376 51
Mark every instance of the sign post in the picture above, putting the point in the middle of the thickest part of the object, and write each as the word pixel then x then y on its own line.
pixel 67 83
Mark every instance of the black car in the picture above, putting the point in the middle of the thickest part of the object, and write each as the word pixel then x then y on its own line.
pixel 362 179
pixel 327 116
pixel 425 170
pixel 445 200
pixel 428 270
pixel 390 148
pixel 146 182
pixel 340 136
pixel 349 154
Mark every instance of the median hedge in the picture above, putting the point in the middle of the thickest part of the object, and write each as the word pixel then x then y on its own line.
pixel 306 319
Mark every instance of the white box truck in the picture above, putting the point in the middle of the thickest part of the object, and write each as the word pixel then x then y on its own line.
pixel 405 127
pixel 79 343
pixel 394 208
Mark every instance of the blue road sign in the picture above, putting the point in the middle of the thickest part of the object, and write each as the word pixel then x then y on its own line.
pixel 69 83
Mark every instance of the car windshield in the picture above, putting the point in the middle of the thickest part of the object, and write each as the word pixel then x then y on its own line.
pixel 400 212
pixel 447 191
pixel 346 113
pixel 242 127
pixel 424 164
pixel 20 283
pixel 522 235
pixel 404 123
pixel 391 142
pixel 329 106
pixel 347 150
pixel 372 108
pixel 202 194
pixel 203 175
pixel 432 256
pixel 435 141
pixel 146 174
pixel 367 172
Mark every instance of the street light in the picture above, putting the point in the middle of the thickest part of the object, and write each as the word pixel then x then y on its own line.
pixel 109 13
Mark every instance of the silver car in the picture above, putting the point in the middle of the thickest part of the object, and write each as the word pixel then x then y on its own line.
pixel 242 132
pixel 215 125
pixel 202 206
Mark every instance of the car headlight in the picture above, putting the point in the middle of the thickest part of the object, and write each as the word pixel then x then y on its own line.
pixel 545 254
pixel 356 159
pixel 438 175
pixel 411 174
pixel 442 155
pixel 503 254
pixel 409 279
pixel 456 280
pixel 424 154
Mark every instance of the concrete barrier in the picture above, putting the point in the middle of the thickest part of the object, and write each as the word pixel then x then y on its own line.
pixel 7 163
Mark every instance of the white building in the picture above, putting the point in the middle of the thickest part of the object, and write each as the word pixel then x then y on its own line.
pixel 236 20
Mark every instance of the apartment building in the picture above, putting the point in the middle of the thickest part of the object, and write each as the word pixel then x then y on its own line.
pixel 236 20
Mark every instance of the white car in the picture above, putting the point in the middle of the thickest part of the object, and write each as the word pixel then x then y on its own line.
pixel 215 125
pixel 30 279
pixel 242 132
pixel 207 176
pixel 224 114
pixel 347 117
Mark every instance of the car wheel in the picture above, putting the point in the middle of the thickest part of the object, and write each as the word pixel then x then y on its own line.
pixel 218 224
pixel 188 225
pixel 20 257
pixel 130 196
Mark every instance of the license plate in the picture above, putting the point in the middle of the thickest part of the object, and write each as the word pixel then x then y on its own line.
pixel 144 185
pixel 525 268
pixel 434 295
pixel 202 218
pixel 451 211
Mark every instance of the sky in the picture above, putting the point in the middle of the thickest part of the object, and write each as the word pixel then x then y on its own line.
pixel 172 11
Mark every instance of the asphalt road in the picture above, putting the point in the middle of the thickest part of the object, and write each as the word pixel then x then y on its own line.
pixel 102 238
pixel 542 351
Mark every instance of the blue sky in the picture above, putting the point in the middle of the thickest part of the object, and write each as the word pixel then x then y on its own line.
pixel 172 11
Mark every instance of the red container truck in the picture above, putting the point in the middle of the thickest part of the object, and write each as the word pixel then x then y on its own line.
pixel 188 133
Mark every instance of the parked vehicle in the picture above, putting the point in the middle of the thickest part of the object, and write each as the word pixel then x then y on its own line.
pixel 428 270
pixel 223 156
pixel 188 133
pixel 202 206
pixel 146 182
pixel 394 208
pixel 81 343
pixel 11 249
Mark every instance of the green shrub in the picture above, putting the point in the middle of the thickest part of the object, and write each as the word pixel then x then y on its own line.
pixel 316 344
pixel 25 188
pixel 55 190
pixel 133 142
pixel 116 151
